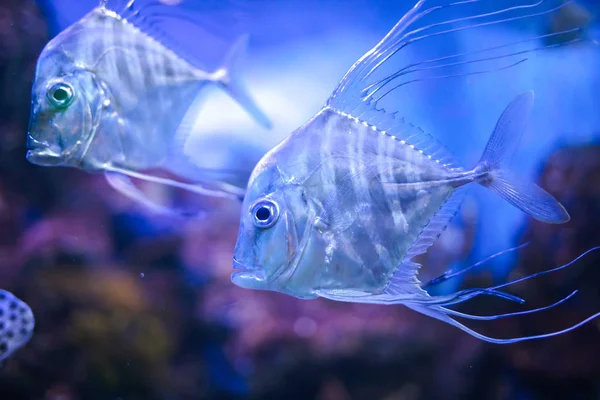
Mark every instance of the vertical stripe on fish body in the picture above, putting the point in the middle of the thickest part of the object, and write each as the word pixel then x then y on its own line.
pixel 376 193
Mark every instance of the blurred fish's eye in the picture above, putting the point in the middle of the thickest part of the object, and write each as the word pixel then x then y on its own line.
pixel 60 95
pixel 265 213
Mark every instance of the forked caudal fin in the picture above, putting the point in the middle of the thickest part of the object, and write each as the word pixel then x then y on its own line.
pixel 493 173
pixel 229 77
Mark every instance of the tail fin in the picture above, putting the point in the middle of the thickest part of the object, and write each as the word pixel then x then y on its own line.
pixel 526 196
pixel 233 84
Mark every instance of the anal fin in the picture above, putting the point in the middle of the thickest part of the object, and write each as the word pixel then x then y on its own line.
pixel 405 278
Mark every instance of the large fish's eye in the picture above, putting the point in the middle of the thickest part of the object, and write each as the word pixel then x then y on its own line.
pixel 265 213
pixel 61 94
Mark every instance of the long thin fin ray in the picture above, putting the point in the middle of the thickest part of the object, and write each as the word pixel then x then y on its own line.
pixel 439 310
pixel 463 74
pixel 442 316
pixel 452 274
pixel 214 189
pixel 548 271
pixel 468 294
pixel 507 315
pixel 123 184
pixel 378 85
pixel 353 87
pixel 371 89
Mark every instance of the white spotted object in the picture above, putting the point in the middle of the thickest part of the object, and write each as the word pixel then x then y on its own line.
pixel 16 324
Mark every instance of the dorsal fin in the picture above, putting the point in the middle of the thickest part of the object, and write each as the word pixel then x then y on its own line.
pixel 417 25
pixel 397 127
pixel 200 32
pixel 358 93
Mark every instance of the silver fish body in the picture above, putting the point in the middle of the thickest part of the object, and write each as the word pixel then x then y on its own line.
pixel 132 90
pixel 342 206
pixel 110 96
pixel 372 197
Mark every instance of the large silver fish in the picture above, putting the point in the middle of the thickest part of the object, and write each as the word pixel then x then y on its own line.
pixel 111 94
pixel 16 324
pixel 341 207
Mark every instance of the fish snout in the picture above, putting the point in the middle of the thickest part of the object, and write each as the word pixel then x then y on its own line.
pixel 44 157
pixel 248 277
pixel 42 152
pixel 43 145
pixel 238 266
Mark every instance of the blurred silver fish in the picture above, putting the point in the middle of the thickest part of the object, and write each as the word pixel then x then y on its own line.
pixel 16 324
pixel 342 206
pixel 111 94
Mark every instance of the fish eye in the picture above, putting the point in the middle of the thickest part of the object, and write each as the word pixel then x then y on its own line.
pixel 61 94
pixel 265 213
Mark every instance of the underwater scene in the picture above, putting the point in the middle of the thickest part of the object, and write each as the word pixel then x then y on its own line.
pixel 299 199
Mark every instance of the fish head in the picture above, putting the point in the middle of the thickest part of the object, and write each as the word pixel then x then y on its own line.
pixel 66 104
pixel 274 217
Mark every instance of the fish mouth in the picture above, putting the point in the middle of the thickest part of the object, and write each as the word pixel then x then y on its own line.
pixel 46 157
pixel 43 153
pixel 247 277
